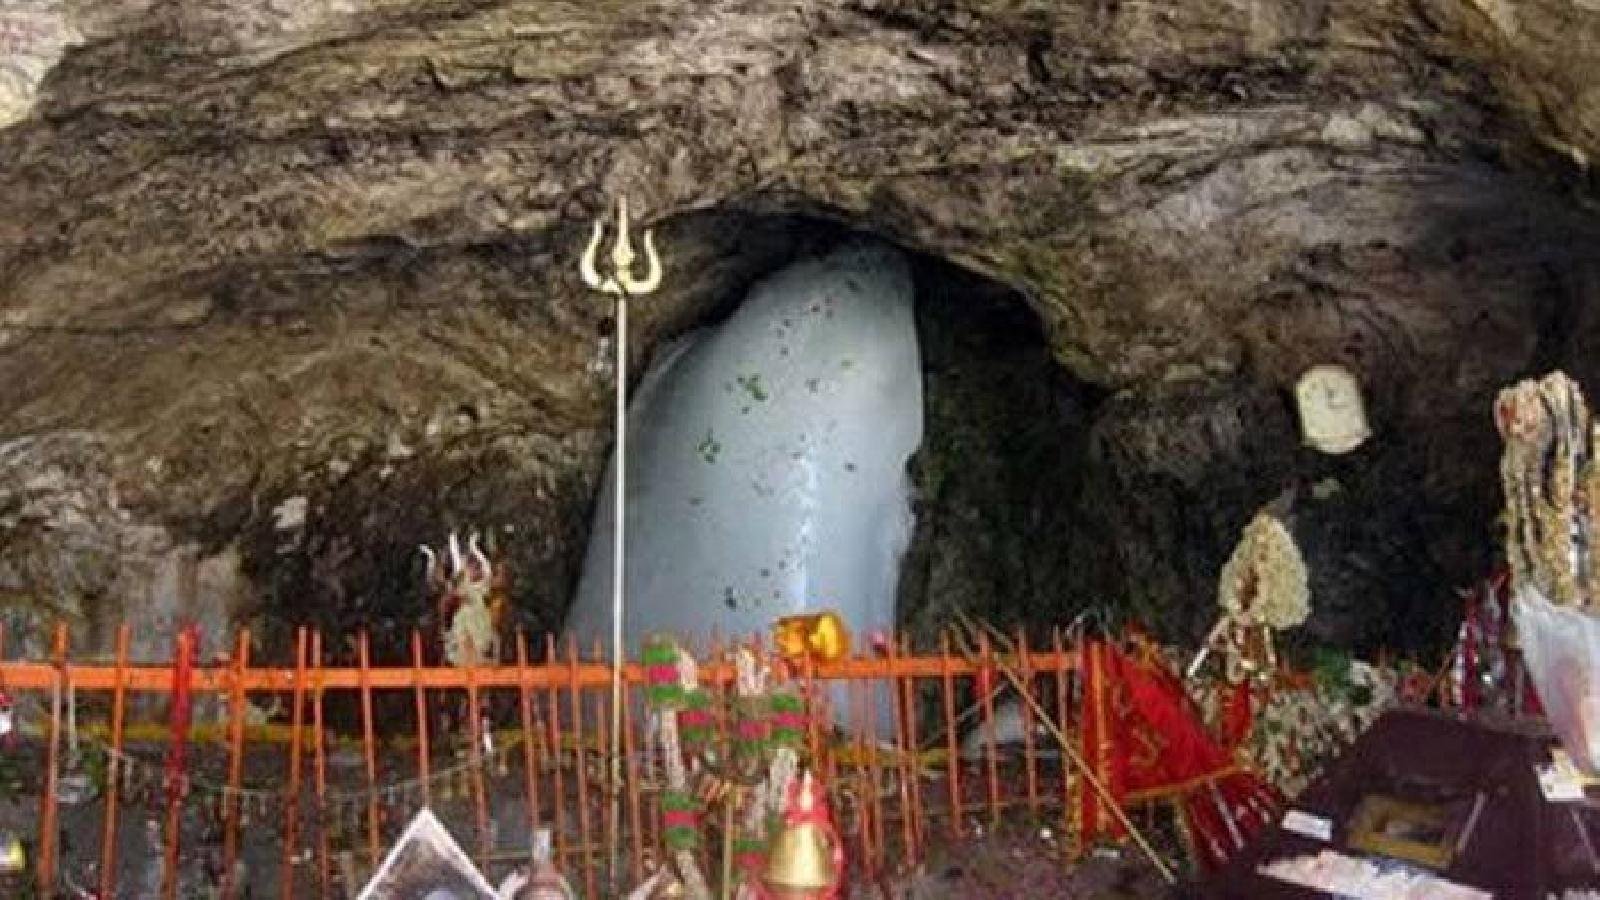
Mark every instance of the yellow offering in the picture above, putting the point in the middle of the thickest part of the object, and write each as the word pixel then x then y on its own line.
pixel 820 636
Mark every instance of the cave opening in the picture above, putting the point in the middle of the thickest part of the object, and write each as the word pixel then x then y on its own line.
pixel 1035 497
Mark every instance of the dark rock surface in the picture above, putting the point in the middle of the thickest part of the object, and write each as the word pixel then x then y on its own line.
pixel 325 249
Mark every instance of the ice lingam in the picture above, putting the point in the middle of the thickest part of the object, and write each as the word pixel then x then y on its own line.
pixel 766 462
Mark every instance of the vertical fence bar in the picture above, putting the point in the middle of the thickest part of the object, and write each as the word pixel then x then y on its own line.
pixel 582 765
pixel 991 738
pixel 423 766
pixel 369 746
pixel 952 738
pixel 913 742
pixel 866 808
pixel 869 694
pixel 1067 839
pixel 291 800
pixel 475 760
pixel 553 699
pixel 320 765
pixel 1029 759
pixel 108 834
pixel 905 749
pixel 230 799
pixel 631 773
pixel 711 657
pixel 530 761
pixel 609 809
pixel 48 830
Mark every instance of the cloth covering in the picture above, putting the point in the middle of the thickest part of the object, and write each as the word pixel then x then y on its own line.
pixel 1146 742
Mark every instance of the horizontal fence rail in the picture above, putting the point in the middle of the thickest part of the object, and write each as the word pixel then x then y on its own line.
pixel 497 751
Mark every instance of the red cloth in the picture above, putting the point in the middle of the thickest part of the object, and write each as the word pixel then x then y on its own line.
pixel 1238 716
pixel 182 679
pixel 1145 739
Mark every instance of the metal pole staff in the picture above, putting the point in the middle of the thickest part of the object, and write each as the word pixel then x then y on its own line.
pixel 621 284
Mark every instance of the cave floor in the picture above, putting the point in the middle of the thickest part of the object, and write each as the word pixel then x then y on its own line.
pixel 1016 860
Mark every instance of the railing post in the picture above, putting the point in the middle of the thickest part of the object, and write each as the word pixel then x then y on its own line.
pixel 108 836
pixel 423 762
pixel 575 687
pixel 364 652
pixel 529 756
pixel 291 800
pixel 48 828
pixel 952 737
pixel 230 800
pixel 320 766
pixel 553 722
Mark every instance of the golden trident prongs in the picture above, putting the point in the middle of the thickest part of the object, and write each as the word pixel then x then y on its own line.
pixel 621 281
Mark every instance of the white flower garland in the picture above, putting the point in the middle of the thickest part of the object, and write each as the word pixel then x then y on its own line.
pixel 1265 581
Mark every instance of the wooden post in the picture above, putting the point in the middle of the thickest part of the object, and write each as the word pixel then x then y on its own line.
pixel 108 835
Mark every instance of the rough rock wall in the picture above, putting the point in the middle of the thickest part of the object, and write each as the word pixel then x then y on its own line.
pixel 325 249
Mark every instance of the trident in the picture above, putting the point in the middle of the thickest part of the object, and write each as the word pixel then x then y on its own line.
pixel 621 284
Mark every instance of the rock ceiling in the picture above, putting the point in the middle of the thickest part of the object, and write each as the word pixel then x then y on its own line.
pixel 326 247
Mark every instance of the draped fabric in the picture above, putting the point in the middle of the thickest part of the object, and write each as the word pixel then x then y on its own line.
pixel 1145 741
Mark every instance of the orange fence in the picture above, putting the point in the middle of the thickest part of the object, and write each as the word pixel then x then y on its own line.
pixel 957 753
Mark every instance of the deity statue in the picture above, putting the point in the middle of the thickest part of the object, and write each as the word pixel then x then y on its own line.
pixel 470 635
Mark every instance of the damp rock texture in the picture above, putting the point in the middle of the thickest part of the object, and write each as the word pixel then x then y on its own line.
pixel 326 250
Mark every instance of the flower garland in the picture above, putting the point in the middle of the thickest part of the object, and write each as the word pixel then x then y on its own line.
pixel 1551 476
pixel 1262 588
pixel 1264 582
pixel 671 681
pixel 1298 730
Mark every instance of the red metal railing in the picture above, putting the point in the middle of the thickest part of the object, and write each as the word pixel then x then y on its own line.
pixel 886 789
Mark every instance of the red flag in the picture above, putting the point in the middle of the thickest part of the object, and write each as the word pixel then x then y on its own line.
pixel 1148 743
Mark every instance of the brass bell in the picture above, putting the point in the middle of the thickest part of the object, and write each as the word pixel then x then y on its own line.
pixel 801 861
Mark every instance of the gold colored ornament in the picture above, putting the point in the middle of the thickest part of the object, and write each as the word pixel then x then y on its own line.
pixel 821 636
pixel 621 281
pixel 802 857
pixel 13 858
